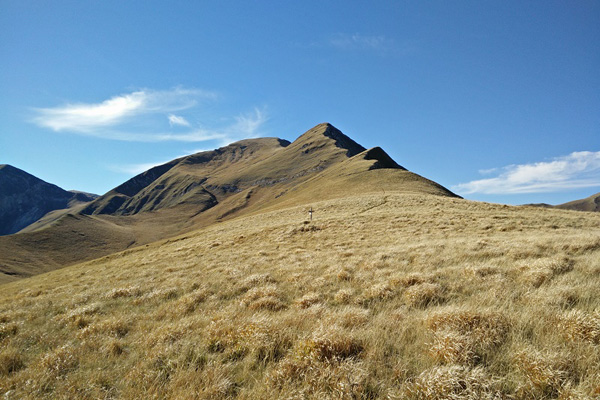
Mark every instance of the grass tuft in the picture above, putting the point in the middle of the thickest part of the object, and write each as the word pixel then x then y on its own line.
pixel 546 373
pixel 423 295
pixel 454 382
pixel 10 361
pixel 577 325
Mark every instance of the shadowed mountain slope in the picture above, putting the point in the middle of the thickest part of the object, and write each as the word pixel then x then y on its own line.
pixel 24 199
pixel 591 203
pixel 185 194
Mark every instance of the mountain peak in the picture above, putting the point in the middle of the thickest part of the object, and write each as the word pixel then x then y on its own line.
pixel 325 132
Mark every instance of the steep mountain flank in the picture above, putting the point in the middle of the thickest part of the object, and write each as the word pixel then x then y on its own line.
pixel 24 199
pixel 200 179
pixel 249 176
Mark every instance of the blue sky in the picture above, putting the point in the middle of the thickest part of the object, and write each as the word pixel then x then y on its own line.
pixel 496 100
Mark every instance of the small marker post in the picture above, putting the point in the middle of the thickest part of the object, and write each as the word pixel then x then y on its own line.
pixel 310 213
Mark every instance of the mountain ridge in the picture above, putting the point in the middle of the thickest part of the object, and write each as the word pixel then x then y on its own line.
pixel 195 191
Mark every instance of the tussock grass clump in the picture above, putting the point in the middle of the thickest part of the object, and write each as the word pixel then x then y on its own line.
pixel 351 317
pixel 60 361
pixel 465 336
pixel 114 347
pixel 257 279
pixel 8 329
pixel 329 379
pixel 214 381
pixel 130 291
pixel 330 344
pixel 257 338
pixel 325 365
pixel 345 274
pixel 90 309
pixel 159 294
pixel 410 280
pixel 377 292
pixel 10 361
pixel 452 382
pixel 488 326
pixel 452 347
pixel 484 271
pixel 309 299
pixel 547 373
pixel 111 327
pixel 577 325
pixel 264 298
pixel 80 317
pixel 343 296
pixel 544 270
pixel 188 303
pixel 423 294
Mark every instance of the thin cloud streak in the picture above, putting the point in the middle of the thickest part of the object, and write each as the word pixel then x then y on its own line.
pixel 574 171
pixel 198 135
pixel 358 41
pixel 178 120
pixel 85 118
pixel 246 126
pixel 126 118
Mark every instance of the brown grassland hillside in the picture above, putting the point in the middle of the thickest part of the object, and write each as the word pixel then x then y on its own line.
pixel 195 191
pixel 384 295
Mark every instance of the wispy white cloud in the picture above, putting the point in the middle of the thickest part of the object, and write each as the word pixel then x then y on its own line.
pixel 249 123
pixel 358 41
pixel 196 135
pixel 89 117
pixel 178 120
pixel 576 170
pixel 139 117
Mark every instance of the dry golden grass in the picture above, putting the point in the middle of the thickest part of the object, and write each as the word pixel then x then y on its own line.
pixel 382 296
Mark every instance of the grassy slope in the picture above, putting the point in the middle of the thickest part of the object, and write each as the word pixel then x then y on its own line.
pixel 383 295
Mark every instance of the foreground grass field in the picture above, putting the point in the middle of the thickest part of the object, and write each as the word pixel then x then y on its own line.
pixel 380 296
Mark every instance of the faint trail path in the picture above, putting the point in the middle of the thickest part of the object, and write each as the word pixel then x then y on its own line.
pixel 383 202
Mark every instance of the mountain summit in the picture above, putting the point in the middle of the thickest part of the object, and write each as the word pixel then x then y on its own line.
pixel 249 176
pixel 324 133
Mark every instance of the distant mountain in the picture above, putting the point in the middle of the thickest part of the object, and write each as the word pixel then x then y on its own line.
pixel 198 190
pixel 591 203
pixel 24 199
